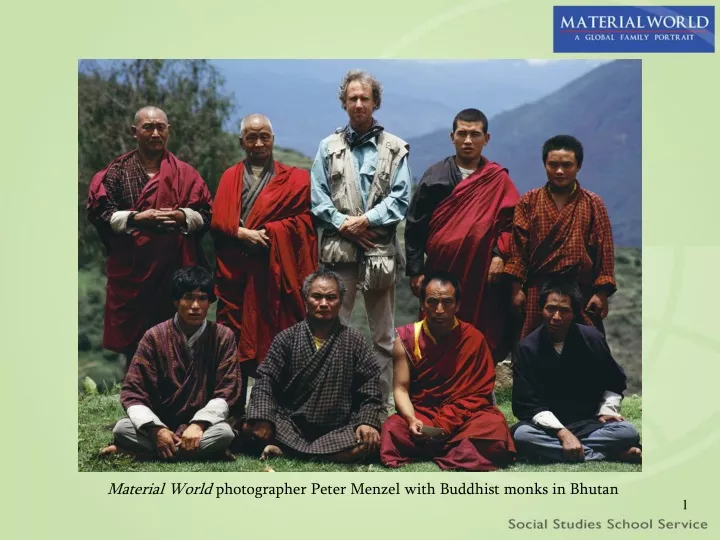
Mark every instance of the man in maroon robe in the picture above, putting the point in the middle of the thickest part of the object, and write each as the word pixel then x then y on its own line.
pixel 265 244
pixel 460 216
pixel 150 210
pixel 184 381
pixel 443 384
pixel 561 231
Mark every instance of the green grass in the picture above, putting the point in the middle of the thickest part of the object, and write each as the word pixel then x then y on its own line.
pixel 97 411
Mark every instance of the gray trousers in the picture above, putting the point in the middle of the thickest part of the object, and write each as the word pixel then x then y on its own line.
pixel 612 438
pixel 215 439
pixel 380 309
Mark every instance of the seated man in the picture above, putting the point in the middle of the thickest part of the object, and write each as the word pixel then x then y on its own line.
pixel 567 388
pixel 318 390
pixel 443 382
pixel 183 383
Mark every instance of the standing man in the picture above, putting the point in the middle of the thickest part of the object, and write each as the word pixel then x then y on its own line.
pixel 265 244
pixel 360 192
pixel 461 217
pixel 561 230
pixel 150 210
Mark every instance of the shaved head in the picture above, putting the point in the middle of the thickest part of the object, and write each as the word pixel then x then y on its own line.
pixel 254 119
pixel 151 131
pixel 150 111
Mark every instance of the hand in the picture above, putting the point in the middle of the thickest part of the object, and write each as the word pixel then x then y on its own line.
pixel 610 418
pixel 598 305
pixel 415 284
pixel 496 269
pixel 170 220
pixel 415 426
pixel 368 437
pixel 355 225
pixel 572 448
pixel 355 232
pixel 518 301
pixel 146 218
pixel 262 430
pixel 166 442
pixel 253 238
pixel 191 437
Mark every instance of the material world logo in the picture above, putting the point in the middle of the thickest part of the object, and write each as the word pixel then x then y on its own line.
pixel 635 29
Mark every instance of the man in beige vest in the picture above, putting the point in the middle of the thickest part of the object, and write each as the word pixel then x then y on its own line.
pixel 360 187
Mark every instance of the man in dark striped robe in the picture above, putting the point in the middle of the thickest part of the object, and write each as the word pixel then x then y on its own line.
pixel 318 390
pixel 184 381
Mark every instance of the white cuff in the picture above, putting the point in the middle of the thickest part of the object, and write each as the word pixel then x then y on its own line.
pixel 141 416
pixel 548 420
pixel 610 405
pixel 118 222
pixel 193 220
pixel 215 411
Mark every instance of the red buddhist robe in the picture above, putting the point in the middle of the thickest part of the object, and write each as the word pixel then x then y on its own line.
pixel 451 385
pixel 463 230
pixel 575 242
pixel 259 294
pixel 140 265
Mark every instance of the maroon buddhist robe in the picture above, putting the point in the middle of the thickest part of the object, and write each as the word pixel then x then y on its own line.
pixel 464 228
pixel 140 265
pixel 174 382
pixel 259 293
pixel 451 385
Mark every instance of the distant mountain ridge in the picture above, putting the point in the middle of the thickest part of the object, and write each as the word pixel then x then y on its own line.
pixel 603 109
pixel 301 96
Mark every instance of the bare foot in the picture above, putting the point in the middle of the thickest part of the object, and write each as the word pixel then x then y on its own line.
pixel 109 450
pixel 270 451
pixel 113 449
pixel 631 455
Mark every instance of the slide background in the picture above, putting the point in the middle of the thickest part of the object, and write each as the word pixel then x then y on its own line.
pixel 681 255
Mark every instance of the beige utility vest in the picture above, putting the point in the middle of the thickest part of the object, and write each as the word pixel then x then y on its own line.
pixel 346 196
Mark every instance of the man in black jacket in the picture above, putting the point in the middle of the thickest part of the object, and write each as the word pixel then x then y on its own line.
pixel 567 388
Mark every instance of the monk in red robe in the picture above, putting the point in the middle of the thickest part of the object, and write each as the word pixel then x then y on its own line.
pixel 150 210
pixel 443 384
pixel 265 244
pixel 461 217
pixel 561 231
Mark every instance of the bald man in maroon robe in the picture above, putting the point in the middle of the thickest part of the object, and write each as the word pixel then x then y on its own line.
pixel 461 217
pixel 443 383
pixel 265 244
pixel 150 210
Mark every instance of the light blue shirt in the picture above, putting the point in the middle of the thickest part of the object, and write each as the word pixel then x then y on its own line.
pixel 391 209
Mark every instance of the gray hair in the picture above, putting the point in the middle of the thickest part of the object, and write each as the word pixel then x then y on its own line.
pixel 362 76
pixel 326 274
pixel 242 122
pixel 148 108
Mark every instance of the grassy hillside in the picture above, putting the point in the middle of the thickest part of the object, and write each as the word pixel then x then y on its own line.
pixel 95 412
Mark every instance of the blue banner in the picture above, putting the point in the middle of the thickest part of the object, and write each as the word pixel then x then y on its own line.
pixel 634 29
